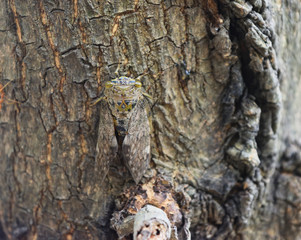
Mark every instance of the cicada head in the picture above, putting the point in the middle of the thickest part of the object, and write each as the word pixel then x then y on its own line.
pixel 123 93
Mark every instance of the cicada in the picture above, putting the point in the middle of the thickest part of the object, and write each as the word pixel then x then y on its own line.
pixel 123 127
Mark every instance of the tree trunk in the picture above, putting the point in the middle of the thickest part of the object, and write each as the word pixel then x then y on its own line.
pixel 221 136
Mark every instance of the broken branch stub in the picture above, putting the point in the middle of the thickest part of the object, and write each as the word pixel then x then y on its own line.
pixel 151 223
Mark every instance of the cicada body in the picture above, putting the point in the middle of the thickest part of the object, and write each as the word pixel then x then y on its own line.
pixel 123 127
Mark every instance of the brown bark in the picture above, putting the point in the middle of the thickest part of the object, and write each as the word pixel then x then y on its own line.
pixel 214 71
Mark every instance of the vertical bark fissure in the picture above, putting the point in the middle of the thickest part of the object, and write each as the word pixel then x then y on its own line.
pixel 21 47
pixel 56 54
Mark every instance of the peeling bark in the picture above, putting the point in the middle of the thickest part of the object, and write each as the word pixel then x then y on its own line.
pixel 220 72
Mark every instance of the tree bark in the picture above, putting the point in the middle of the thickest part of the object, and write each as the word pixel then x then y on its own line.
pixel 221 134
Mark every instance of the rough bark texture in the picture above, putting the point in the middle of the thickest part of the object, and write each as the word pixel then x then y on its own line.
pixel 214 70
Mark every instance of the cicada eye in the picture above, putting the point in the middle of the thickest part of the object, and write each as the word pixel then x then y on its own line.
pixel 109 84
pixel 138 84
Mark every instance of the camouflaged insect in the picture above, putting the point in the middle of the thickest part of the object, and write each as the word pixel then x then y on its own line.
pixel 123 127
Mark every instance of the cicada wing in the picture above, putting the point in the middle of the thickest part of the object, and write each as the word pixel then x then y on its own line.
pixel 136 144
pixel 107 146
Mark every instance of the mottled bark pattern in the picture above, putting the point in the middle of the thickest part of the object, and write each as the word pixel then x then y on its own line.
pixel 158 193
pixel 213 73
